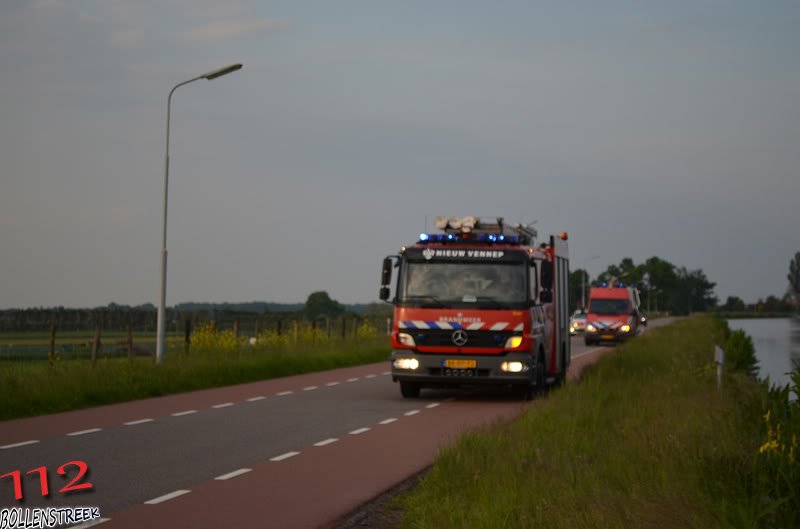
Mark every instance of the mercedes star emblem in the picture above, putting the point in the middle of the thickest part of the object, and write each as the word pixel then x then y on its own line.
pixel 460 337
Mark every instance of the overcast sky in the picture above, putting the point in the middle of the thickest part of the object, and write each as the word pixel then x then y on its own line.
pixel 642 128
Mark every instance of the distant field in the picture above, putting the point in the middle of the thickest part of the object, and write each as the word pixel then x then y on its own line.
pixel 43 338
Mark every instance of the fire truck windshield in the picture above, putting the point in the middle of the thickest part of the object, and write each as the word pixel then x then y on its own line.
pixel 608 306
pixel 480 285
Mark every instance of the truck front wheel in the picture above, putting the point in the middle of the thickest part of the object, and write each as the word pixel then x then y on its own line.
pixel 410 390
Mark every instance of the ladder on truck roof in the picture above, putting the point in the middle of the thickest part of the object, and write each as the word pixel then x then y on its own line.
pixel 469 224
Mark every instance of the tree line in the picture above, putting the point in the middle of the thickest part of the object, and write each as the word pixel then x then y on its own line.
pixel 319 308
pixel 666 287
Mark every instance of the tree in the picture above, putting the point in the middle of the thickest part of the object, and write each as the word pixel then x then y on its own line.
pixel 794 275
pixel 577 278
pixel 734 304
pixel 319 304
pixel 693 292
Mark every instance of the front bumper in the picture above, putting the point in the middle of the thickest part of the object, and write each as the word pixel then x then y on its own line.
pixel 434 371
pixel 607 336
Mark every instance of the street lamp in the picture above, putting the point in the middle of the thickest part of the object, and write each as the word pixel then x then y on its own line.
pixel 160 339
pixel 583 290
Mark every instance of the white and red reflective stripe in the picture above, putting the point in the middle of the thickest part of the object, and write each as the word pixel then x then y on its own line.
pixel 449 326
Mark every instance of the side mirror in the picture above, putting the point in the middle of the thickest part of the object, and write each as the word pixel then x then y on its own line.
pixel 547 275
pixel 384 294
pixel 546 296
pixel 386 272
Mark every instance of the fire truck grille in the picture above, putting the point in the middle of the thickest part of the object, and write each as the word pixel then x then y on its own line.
pixel 444 338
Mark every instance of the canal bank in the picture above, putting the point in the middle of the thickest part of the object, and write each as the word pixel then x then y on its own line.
pixel 777 345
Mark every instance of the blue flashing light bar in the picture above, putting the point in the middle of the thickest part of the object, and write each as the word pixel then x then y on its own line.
pixel 605 284
pixel 480 237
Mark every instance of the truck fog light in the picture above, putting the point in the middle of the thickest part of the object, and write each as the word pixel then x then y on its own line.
pixel 513 367
pixel 406 339
pixel 513 342
pixel 406 363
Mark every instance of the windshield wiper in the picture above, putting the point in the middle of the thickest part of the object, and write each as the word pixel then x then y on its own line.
pixel 489 300
pixel 437 302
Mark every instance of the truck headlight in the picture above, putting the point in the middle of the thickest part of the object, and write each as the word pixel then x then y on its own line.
pixel 406 363
pixel 625 328
pixel 513 367
pixel 406 339
pixel 590 328
pixel 513 342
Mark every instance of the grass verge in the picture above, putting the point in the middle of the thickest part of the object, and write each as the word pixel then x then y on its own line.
pixel 35 388
pixel 645 440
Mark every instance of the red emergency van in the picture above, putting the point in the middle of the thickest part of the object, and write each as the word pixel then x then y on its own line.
pixel 613 314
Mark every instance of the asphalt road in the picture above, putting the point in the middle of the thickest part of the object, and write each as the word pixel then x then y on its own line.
pixel 300 451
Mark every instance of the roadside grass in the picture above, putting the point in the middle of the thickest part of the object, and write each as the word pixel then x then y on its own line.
pixel 33 387
pixel 645 440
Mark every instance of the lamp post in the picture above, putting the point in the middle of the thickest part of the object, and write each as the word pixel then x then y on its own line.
pixel 583 290
pixel 160 328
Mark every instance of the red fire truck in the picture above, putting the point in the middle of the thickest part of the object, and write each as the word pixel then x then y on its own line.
pixel 478 304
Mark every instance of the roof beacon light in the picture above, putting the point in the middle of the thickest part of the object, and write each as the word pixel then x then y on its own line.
pixel 424 236
pixel 468 224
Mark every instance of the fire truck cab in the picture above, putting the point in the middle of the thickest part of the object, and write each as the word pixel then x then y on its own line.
pixel 479 304
pixel 613 314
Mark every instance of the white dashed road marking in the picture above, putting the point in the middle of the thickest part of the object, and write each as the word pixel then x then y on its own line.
pixel 23 443
pixel 326 442
pixel 223 405
pixel 410 413
pixel 332 384
pixel 370 376
pixel 182 413
pixel 359 431
pixel 283 393
pixel 167 497
pixel 140 421
pixel 352 379
pixel 253 399
pixel 432 405
pixel 388 421
pixel 287 455
pixel 310 388
pixel 84 432
pixel 233 474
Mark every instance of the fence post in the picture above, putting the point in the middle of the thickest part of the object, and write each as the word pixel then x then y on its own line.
pixel 235 328
pixel 294 325
pixel 328 326
pixel 130 342
pixel 187 336
pixel 280 327
pixel 344 328
pixel 719 359
pixel 51 354
pixel 96 343
pixel 257 330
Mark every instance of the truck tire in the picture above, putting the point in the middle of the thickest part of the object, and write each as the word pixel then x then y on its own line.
pixel 587 341
pixel 541 375
pixel 562 373
pixel 410 390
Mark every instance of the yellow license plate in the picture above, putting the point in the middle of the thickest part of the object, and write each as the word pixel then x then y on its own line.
pixel 461 364
pixel 607 337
